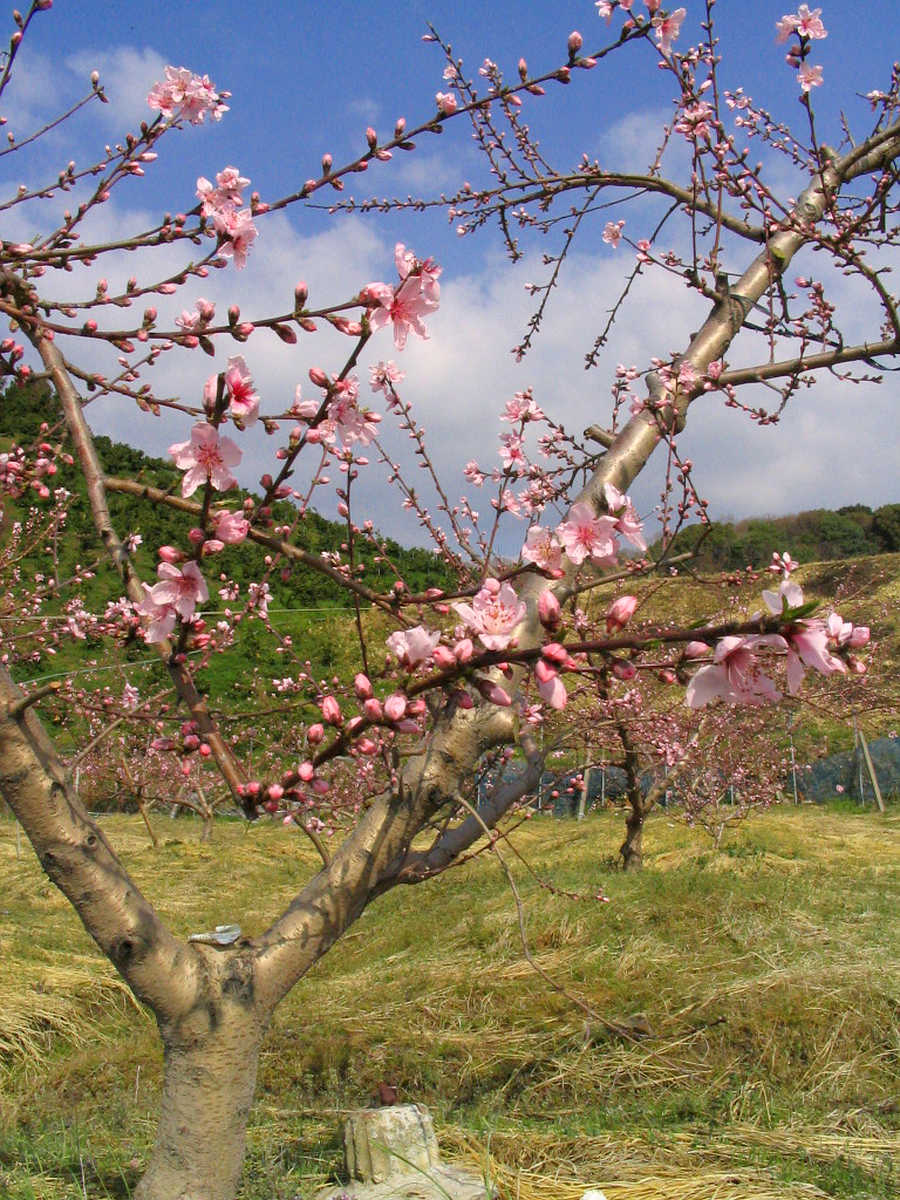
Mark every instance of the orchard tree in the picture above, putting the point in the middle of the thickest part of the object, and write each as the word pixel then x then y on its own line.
pixel 384 761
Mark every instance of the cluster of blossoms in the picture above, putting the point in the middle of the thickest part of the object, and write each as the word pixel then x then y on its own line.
pixel 808 27
pixel 179 591
pixel 666 26
pixel 345 422
pixel 735 674
pixel 223 205
pixel 183 96
pixel 586 536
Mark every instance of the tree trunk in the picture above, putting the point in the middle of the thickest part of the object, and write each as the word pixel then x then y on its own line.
pixel 631 849
pixel 211 1058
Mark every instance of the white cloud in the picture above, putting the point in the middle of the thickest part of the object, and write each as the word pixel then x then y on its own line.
pixel 829 449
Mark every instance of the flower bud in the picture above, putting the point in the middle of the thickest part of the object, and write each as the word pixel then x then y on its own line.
pixel 620 613
pixel 548 609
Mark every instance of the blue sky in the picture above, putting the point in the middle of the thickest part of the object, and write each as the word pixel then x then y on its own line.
pixel 308 77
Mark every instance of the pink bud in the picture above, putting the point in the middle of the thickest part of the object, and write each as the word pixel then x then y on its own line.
pixel 315 734
pixel 306 771
pixel 170 555
pixel 443 657
pixel 620 613
pixel 555 652
pixel 548 609
pixel 495 693
pixel 331 710
pixel 544 672
pixel 318 376
pixel 362 686
pixel 321 786
pixel 624 670
pixel 395 706
pixel 276 791
pixel 373 709
pixel 463 699
pixel 696 650
pixel 463 650
pixel 859 637
pixel 575 42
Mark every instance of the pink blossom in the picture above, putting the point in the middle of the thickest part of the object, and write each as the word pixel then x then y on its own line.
pixel 231 527
pixel 733 676
pixel 512 453
pixel 620 613
pixel 839 631
pixel 782 564
pixel 522 407
pixel 160 617
pixel 808 646
pixel 346 420
pixel 206 458
pixel 809 76
pixel 627 521
pixel 604 9
pixel 226 193
pixel 235 226
pixel 859 637
pixel 184 589
pixel 426 269
pixel 447 103
pixel 583 534
pixel 472 473
pixel 243 401
pixel 404 307
pixel 183 95
pixel 668 28
pixel 612 233
pixel 383 375
pixel 804 22
pixel 494 613
pixel 413 646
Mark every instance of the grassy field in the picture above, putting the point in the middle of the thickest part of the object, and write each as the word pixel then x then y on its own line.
pixel 761 982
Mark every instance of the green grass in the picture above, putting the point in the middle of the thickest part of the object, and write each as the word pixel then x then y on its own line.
pixel 766 974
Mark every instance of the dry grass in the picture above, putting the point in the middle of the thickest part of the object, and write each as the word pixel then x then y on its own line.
pixel 765 979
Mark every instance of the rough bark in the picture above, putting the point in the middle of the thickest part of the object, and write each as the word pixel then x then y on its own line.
pixel 631 850
pixel 211 1058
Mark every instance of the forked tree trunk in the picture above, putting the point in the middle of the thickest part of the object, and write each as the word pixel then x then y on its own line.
pixel 211 1059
